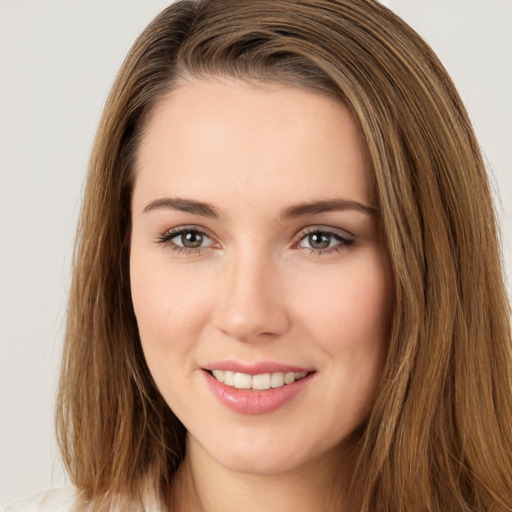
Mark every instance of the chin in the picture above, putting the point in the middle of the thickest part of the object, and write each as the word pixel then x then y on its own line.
pixel 259 465
pixel 264 455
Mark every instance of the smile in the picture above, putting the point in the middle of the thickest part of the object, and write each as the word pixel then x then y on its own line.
pixel 259 382
pixel 256 389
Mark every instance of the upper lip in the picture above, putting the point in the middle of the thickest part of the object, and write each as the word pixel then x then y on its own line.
pixel 255 368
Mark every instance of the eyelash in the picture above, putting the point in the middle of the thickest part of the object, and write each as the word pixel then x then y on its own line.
pixel 166 240
pixel 343 241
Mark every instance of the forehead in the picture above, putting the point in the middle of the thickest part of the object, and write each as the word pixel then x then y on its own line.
pixel 215 137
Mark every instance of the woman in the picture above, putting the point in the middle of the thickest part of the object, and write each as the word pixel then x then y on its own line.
pixel 280 295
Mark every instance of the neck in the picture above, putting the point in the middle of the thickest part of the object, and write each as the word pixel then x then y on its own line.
pixel 204 485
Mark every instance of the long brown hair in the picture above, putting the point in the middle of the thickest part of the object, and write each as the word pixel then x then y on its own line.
pixel 439 436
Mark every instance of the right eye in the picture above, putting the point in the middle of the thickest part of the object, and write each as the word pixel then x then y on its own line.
pixel 186 239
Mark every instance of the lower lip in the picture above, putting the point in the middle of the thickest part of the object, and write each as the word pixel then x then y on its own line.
pixel 255 402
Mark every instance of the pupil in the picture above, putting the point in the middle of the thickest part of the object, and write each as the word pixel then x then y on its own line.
pixel 319 240
pixel 192 239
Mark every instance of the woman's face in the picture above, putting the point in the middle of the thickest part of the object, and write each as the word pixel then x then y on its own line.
pixel 259 280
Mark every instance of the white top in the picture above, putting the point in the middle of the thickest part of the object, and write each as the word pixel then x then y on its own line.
pixel 54 500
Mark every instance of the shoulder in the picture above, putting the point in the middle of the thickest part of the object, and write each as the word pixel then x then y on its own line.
pixel 54 500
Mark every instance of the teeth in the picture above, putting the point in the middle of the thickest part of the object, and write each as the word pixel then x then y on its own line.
pixel 261 382
pixel 229 378
pixel 219 375
pixel 289 377
pixel 277 380
pixel 243 381
pixel 258 382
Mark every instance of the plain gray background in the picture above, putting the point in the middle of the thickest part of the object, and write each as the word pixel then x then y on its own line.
pixel 58 59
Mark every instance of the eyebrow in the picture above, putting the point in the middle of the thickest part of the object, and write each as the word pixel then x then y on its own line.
pixel 316 207
pixel 294 211
pixel 183 205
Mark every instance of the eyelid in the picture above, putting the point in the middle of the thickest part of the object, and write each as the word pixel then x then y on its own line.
pixel 343 233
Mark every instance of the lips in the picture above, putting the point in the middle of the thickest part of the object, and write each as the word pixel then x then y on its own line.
pixel 257 388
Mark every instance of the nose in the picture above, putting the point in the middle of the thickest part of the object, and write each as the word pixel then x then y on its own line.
pixel 251 305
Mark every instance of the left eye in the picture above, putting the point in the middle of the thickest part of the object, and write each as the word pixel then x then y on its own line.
pixel 321 240
pixel 189 239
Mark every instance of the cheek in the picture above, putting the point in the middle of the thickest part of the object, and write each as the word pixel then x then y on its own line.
pixel 170 313
pixel 349 320
pixel 170 308
pixel 350 307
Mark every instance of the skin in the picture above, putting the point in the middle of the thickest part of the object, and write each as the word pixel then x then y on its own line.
pixel 257 288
